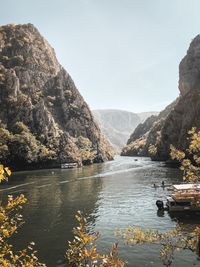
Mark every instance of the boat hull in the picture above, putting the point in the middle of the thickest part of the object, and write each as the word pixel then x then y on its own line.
pixel 182 209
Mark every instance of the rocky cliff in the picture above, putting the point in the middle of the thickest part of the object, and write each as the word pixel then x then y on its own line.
pixel 44 121
pixel 144 115
pixel 172 126
pixel 117 125
pixel 146 133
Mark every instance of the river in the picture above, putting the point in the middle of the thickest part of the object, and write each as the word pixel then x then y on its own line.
pixel 114 195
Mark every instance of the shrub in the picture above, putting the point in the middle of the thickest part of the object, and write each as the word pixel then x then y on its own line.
pixel 10 221
pixel 190 159
pixel 82 251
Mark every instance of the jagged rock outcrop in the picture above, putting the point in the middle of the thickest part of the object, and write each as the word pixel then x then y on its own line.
pixel 181 116
pixel 142 128
pixel 44 121
pixel 146 133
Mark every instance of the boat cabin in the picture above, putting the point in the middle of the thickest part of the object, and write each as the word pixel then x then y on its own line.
pixel 185 197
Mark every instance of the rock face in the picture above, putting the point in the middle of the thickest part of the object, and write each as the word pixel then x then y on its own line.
pixel 44 121
pixel 182 115
pixel 146 133
pixel 144 115
pixel 117 125
pixel 189 68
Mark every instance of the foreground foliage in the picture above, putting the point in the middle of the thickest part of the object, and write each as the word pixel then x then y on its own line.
pixel 10 221
pixel 174 240
pixel 170 242
pixel 82 251
pixel 190 159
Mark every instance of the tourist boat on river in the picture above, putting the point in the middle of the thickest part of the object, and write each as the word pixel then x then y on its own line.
pixel 69 165
pixel 184 197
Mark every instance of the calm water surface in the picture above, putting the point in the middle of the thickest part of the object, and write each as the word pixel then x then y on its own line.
pixel 114 194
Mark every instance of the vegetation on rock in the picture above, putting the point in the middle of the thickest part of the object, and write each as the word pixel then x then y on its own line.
pixel 82 251
pixel 42 113
pixel 172 126
pixel 146 134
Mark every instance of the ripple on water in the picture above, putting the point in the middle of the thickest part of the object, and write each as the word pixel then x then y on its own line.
pixel 114 195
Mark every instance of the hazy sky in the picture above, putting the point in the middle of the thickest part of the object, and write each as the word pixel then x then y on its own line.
pixel 121 54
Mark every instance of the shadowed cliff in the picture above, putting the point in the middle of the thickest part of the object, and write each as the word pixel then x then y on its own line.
pixel 44 121
pixel 172 125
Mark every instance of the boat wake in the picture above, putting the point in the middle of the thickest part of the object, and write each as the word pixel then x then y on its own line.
pixel 16 186
pixel 114 169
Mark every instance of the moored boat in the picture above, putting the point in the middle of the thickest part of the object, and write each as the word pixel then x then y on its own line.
pixel 69 165
pixel 185 197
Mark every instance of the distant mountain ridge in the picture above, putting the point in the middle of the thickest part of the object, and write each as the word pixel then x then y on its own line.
pixel 117 125
pixel 144 115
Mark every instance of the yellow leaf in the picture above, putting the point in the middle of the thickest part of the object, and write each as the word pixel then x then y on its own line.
pixel 8 171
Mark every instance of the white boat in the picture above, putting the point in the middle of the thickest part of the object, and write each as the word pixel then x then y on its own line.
pixel 185 197
pixel 69 165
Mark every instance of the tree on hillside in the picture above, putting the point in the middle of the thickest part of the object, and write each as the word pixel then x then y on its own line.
pixel 173 241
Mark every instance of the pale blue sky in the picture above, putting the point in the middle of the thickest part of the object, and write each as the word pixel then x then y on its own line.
pixel 121 54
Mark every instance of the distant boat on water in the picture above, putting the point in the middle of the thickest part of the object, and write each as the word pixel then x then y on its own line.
pixel 69 165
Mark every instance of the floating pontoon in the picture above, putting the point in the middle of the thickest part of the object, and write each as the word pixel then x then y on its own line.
pixel 185 197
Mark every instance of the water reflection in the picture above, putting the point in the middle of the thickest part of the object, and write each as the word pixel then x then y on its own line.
pixel 113 194
pixel 51 208
pixel 160 213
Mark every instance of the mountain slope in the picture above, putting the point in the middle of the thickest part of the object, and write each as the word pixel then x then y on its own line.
pixel 117 125
pixel 181 116
pixel 145 115
pixel 44 120
pixel 146 133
